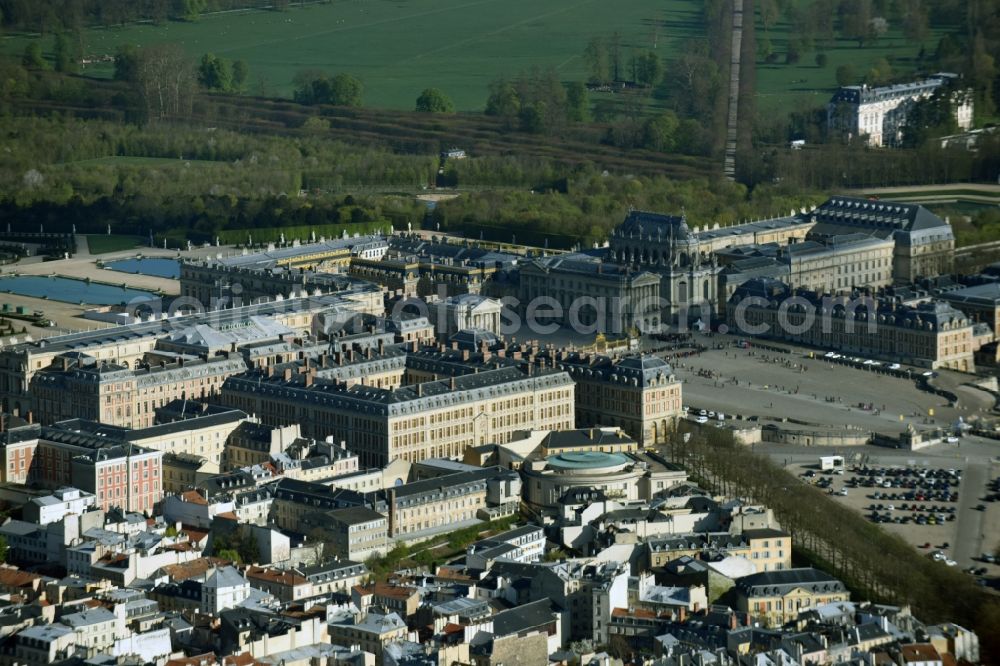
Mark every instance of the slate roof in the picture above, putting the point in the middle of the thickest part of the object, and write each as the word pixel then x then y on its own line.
pixel 782 581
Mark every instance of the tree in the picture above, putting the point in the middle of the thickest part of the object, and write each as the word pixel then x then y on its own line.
pixel 126 62
pixel 598 65
pixel 164 81
pixel 190 10
pixel 4 549
pixel 916 24
pixel 215 73
pixel 63 54
pixel 846 75
pixel 432 100
pixel 880 72
pixel 615 56
pixel 792 54
pixel 341 90
pixel 770 11
pixel 856 21
pixel 503 101
pixel 32 58
pixel 648 69
pixel 660 132
pixel 577 102
pixel 241 73
pixel 821 60
pixel 930 118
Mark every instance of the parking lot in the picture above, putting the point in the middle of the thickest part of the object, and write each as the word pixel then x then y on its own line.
pixel 819 391
pixel 930 507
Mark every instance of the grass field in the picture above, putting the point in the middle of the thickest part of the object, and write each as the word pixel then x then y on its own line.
pixel 102 244
pixel 399 47
pixel 805 85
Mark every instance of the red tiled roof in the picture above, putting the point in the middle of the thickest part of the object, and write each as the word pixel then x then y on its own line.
pixel 13 577
pixel 919 652
pixel 194 568
pixel 194 497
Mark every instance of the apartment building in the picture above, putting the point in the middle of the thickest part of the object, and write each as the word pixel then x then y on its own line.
pixel 638 394
pixel 431 419
pixel 879 113
pixel 441 503
pixel 118 395
pixel 932 334
pixel 766 549
pixel 777 597
pixel 924 243
pixel 128 345
pixel 583 291
pixel 116 471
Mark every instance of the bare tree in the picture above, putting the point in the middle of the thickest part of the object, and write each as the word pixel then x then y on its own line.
pixel 165 82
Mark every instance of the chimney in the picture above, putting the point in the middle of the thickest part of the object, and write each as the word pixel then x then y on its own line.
pixel 454 346
pixel 465 354
pixel 180 361
pixel 368 352
pixel 451 384
pixel 413 345
pixel 31 417
pixel 288 375
pixel 502 353
pixel 381 346
pixel 420 390
pixel 323 360
pixel 270 371
pixel 309 379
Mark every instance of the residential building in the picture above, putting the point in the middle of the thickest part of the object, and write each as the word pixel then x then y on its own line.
pixel 878 114
pixel 464 311
pixel 423 420
pixel 590 294
pixel 637 393
pixel 777 597
pixel 931 334
pixel 371 633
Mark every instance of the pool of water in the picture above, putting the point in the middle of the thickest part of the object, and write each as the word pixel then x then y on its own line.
pixel 155 266
pixel 69 290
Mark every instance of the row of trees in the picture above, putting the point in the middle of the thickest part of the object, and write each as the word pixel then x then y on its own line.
pixel 606 63
pixel 58 173
pixel 570 207
pixel 537 101
pixel 876 564
pixel 221 75
pixel 317 87
pixel 46 16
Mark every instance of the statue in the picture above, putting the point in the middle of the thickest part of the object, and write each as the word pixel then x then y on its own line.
pixel 312 235
pixel 109 229
pixel 282 237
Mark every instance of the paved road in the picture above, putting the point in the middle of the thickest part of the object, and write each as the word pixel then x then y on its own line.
pixel 82 246
pixel 970 534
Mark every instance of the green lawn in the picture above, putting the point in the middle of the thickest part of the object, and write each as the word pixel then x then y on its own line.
pixel 101 244
pixel 804 85
pixel 399 47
